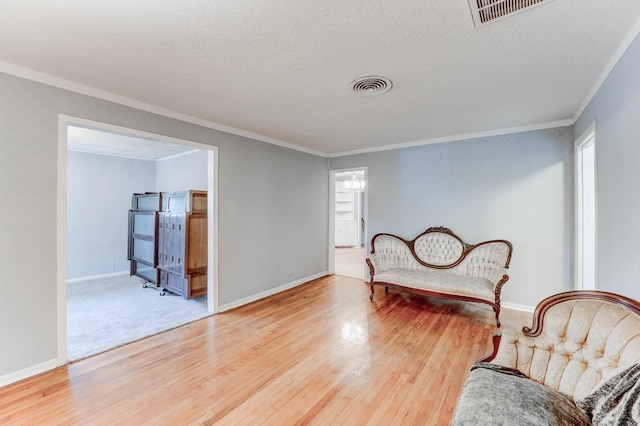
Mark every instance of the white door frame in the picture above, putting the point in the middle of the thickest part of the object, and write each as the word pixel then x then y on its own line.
pixel 331 267
pixel 588 136
pixel 61 218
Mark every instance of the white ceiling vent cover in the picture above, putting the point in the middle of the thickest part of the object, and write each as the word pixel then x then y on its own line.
pixel 485 11
pixel 371 85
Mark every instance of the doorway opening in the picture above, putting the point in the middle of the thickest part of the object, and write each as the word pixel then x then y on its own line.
pixel 348 213
pixel 94 262
pixel 586 206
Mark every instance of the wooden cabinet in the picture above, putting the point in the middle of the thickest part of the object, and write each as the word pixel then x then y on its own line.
pixel 180 243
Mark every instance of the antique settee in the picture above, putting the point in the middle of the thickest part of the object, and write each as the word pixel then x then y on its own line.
pixel 438 263
pixel 578 364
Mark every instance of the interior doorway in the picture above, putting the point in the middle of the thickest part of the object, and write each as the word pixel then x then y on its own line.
pixel 127 141
pixel 349 207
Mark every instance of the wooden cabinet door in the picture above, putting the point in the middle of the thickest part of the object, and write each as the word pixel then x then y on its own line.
pixel 164 225
pixel 161 245
pixel 171 243
pixel 177 243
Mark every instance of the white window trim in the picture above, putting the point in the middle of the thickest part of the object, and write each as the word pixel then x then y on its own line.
pixel 588 136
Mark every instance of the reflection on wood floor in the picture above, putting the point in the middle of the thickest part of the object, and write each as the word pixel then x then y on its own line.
pixel 350 262
pixel 320 353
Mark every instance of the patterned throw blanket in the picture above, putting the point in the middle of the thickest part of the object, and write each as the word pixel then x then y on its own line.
pixel 616 401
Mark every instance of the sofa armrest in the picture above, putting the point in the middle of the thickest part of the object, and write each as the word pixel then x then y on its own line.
pixel 376 264
pixel 496 344
pixel 505 350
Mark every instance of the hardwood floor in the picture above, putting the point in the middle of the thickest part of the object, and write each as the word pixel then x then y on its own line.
pixel 320 353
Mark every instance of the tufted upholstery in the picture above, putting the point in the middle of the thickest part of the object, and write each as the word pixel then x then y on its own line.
pixel 438 263
pixel 438 248
pixel 485 261
pixel 575 344
pixel 392 252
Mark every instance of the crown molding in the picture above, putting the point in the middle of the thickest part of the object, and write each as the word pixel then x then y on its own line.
pixel 460 137
pixel 72 86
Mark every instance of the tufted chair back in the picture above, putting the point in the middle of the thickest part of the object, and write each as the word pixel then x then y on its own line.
pixel 578 339
pixel 438 248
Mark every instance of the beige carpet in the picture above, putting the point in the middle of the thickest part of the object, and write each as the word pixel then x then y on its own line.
pixel 350 262
pixel 108 312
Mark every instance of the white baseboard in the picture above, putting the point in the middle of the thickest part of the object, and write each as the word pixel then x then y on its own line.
pixel 96 277
pixel 28 372
pixel 517 307
pixel 253 298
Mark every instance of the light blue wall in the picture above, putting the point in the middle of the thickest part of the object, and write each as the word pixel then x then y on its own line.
pixel 516 187
pixel 616 111
pixel 280 202
pixel 99 192
pixel 273 210
pixel 182 172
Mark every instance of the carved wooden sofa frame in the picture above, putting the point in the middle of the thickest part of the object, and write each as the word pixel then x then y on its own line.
pixel 438 263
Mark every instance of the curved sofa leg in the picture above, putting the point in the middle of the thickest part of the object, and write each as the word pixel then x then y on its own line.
pixel 371 295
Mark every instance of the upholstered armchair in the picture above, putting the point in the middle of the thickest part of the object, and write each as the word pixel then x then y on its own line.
pixel 579 363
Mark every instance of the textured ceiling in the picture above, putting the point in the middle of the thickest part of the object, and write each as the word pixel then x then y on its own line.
pixel 281 69
pixel 100 142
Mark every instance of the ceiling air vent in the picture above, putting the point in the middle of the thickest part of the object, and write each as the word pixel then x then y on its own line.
pixel 371 85
pixel 485 11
